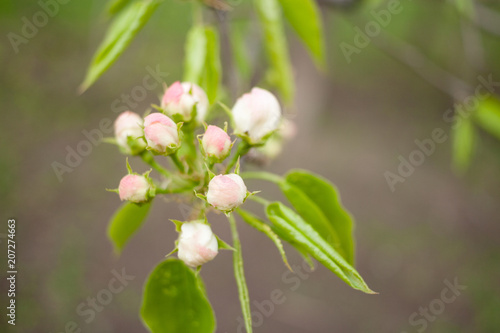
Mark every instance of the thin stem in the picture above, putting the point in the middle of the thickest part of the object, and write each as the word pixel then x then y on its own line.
pixel 270 177
pixel 243 148
pixel 260 200
pixel 177 162
pixel 148 158
pixel 239 274
pixel 424 67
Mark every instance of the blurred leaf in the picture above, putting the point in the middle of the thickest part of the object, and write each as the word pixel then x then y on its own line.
pixel 318 202
pixel 292 228
pixel 126 221
pixel 280 73
pixel 240 50
pixel 464 138
pixel 175 301
pixel 116 6
pixel 196 52
pixel 239 274
pixel 488 116
pixel 304 16
pixel 121 32
pixel 261 226
pixel 212 64
pixel 466 8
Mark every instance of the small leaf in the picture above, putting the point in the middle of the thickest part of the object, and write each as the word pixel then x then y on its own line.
pixel 464 138
pixel 174 300
pixel 196 52
pixel 280 73
pixel 126 221
pixel 116 6
pixel 239 274
pixel 121 32
pixel 488 116
pixel 318 202
pixel 304 16
pixel 211 78
pixel 266 229
pixel 292 228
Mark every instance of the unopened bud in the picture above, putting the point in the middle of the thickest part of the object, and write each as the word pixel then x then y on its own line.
pixel 128 132
pixel 197 243
pixel 256 115
pixel 216 143
pixel 161 133
pixel 181 99
pixel 226 192
pixel 134 188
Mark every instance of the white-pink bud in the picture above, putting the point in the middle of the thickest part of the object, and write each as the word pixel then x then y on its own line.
pixel 256 114
pixel 134 188
pixel 226 192
pixel 128 125
pixel 181 98
pixel 216 142
pixel 161 133
pixel 197 243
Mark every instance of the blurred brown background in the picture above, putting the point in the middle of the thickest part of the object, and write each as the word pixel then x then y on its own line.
pixel 353 123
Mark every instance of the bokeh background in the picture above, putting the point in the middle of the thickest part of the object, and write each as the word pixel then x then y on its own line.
pixel 354 120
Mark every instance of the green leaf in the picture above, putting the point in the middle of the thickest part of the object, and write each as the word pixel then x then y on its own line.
pixel 196 52
pixel 280 73
pixel 121 32
pixel 464 138
pixel 304 16
pixel 211 80
pixel 292 228
pixel 488 116
pixel 240 50
pixel 239 274
pixel 174 300
pixel 116 6
pixel 261 226
pixel 126 221
pixel 318 202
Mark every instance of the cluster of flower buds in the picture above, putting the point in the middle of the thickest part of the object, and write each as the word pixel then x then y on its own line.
pixel 171 132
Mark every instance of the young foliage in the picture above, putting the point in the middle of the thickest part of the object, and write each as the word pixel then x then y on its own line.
pixel 305 18
pixel 488 116
pixel 124 28
pixel 125 222
pixel 280 72
pixel 317 201
pixel 239 274
pixel 292 228
pixel 464 139
pixel 175 301
pixel 196 53
pixel 212 74
pixel 261 226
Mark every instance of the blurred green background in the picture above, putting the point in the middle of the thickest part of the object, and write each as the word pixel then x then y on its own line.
pixel 353 122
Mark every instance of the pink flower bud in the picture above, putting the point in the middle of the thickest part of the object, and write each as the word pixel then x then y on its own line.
pixel 256 114
pixel 128 125
pixel 226 192
pixel 197 243
pixel 180 99
pixel 216 143
pixel 161 133
pixel 134 188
